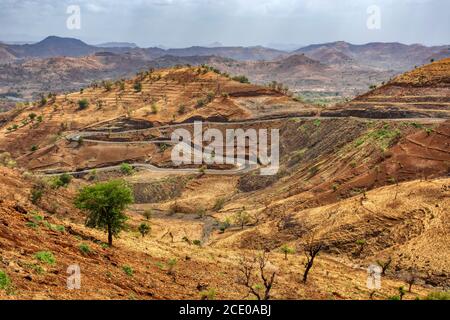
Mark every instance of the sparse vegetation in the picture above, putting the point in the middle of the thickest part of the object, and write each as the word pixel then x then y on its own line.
pixel 126 169
pixel 128 270
pixel 83 104
pixel 5 281
pixel 137 87
pixel 85 249
pixel 285 249
pixel 241 79
pixel 144 229
pixel 45 257
pixel 242 218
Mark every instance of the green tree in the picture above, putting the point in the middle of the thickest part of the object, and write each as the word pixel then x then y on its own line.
pixel 137 87
pixel 286 250
pixel 105 204
pixel 144 229
pixel 242 218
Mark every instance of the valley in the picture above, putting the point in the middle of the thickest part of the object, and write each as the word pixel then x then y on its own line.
pixel 364 181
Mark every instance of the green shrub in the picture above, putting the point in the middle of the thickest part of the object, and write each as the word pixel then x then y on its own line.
pixel 128 270
pixel 137 87
pixel 224 225
pixel 208 295
pixel 154 108
pixel 126 168
pixel 34 148
pixel 241 79
pixel 36 194
pixel 45 257
pixel 83 104
pixel 181 109
pixel 171 265
pixel 84 248
pixel 438 295
pixel 197 243
pixel 144 229
pixel 5 281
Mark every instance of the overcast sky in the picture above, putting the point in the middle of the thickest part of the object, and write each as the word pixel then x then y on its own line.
pixel 181 23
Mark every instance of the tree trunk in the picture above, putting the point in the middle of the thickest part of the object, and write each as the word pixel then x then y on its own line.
pixel 110 236
pixel 305 275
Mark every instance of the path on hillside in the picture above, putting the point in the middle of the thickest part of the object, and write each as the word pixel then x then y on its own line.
pixel 89 136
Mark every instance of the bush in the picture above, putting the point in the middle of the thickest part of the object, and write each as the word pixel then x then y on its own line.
pixel 128 270
pixel 36 194
pixel 126 168
pixel 208 295
pixel 32 116
pixel 65 179
pixel 154 108
pixel 220 203
pixel 144 229
pixel 84 248
pixel 45 257
pixel 171 265
pixel 137 87
pixel 107 85
pixel 83 104
pixel 241 79
pixel 181 109
pixel 224 225
pixel 34 148
pixel 5 281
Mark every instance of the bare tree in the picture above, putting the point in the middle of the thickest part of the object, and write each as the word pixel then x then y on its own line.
pixel 410 279
pixel 311 250
pixel 247 269
pixel 384 265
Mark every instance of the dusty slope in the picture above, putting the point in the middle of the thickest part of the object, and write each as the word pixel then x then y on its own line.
pixel 27 229
pixel 422 92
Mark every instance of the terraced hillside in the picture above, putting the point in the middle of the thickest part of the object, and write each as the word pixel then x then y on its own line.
pixel 420 93
pixel 156 97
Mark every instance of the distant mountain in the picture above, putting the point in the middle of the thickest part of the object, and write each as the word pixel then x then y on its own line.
pixel 236 53
pixel 117 45
pixel 396 56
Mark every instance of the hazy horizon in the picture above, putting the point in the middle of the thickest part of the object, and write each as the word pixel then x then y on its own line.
pixel 280 24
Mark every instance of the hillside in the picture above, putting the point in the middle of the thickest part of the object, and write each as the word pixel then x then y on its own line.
pixel 422 92
pixel 369 191
pixel 164 96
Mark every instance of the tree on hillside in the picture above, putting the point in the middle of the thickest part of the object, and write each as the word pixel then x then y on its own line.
pixel 311 250
pixel 105 204
pixel 267 273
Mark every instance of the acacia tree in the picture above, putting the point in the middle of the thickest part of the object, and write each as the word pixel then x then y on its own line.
pixel 105 204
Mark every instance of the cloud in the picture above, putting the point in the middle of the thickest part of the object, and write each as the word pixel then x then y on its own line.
pixel 232 22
